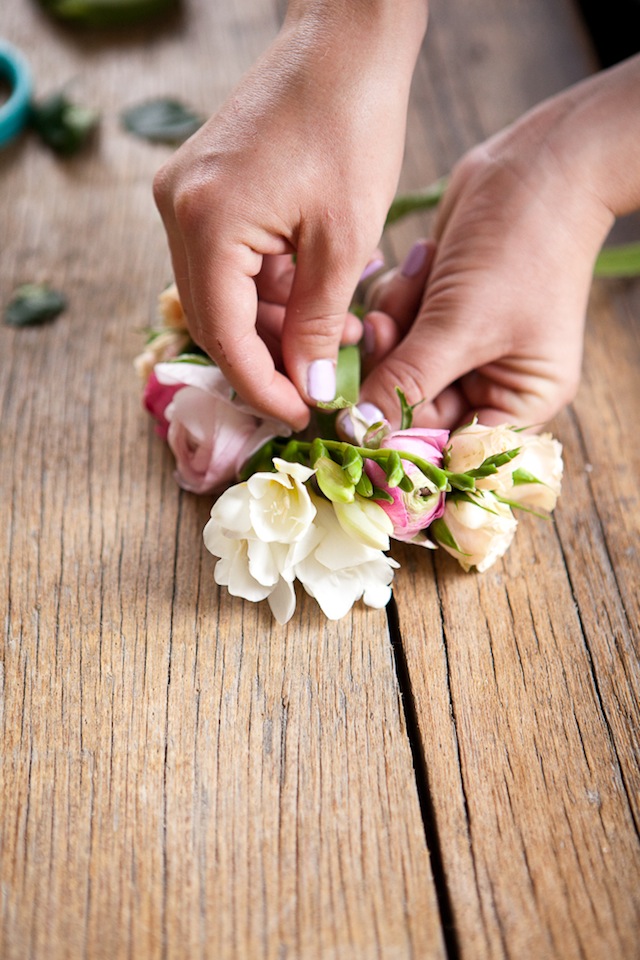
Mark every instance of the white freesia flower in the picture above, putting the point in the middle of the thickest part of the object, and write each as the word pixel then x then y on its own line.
pixel 366 521
pixel 483 530
pixel 260 529
pixel 339 569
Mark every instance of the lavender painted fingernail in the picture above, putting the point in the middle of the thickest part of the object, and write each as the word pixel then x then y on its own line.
pixel 371 268
pixel 321 380
pixel 369 412
pixel 354 422
pixel 414 260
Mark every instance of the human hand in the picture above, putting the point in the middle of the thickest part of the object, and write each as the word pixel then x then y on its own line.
pixel 292 162
pixel 499 329
pixel 274 284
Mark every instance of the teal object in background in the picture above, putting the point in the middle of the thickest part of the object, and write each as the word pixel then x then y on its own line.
pixel 14 112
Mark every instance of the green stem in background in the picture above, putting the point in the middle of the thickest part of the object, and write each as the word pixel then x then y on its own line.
pixel 425 199
pixel 106 13
pixel 622 260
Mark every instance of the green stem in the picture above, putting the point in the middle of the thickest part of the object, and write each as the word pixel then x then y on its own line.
pixel 622 260
pixel 424 199
pixel 437 476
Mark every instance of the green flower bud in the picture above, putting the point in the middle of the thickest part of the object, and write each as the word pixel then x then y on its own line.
pixel 333 481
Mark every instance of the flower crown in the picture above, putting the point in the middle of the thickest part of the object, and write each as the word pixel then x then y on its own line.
pixel 323 511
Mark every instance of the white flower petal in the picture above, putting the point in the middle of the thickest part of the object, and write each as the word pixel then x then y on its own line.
pixel 282 601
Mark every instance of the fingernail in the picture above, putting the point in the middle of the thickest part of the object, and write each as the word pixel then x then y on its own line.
pixel 368 338
pixel 353 423
pixel 414 260
pixel 321 380
pixel 369 412
pixel 372 267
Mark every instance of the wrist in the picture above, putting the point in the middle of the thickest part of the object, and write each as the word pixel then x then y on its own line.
pixel 598 133
pixel 393 29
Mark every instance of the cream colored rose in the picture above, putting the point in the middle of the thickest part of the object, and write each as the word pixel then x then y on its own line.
pixel 164 346
pixel 482 530
pixel 540 457
pixel 532 478
pixel 471 445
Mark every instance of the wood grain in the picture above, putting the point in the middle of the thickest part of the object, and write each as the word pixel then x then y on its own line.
pixel 525 680
pixel 178 776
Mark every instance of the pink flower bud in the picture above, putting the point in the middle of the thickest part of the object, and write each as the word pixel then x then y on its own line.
pixel 412 512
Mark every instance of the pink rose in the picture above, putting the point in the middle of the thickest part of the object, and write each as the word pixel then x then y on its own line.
pixel 156 398
pixel 412 512
pixel 212 433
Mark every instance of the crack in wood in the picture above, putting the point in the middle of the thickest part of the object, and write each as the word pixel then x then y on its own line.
pixel 427 810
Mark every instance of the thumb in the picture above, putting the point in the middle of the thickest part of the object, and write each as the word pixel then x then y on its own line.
pixel 316 313
pixel 426 367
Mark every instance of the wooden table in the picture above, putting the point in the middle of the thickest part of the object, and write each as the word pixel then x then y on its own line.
pixel 180 777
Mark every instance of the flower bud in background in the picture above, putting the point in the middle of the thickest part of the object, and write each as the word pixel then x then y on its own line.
pixel 413 510
pixel 163 346
pixel 476 533
pixel 170 309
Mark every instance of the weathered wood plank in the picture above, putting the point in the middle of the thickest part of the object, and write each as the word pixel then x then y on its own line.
pixel 526 680
pixel 178 777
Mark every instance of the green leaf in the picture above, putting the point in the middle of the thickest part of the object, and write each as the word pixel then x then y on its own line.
pixel 317 450
pixel 406 484
pixel 378 494
pixel 199 359
pixel 441 532
pixel 619 261
pixel 519 506
pixel 33 304
pixel 352 464
pixel 106 13
pixel 393 469
pixel 499 459
pixel 338 403
pixel 64 126
pixel 364 486
pixel 348 374
pixel 462 481
pixel 406 410
pixel 521 476
pixel 162 121
pixel 424 199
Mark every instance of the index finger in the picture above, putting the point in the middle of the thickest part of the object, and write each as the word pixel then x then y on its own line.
pixel 225 304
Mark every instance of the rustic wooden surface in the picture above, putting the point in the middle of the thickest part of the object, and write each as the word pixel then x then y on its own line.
pixel 179 777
